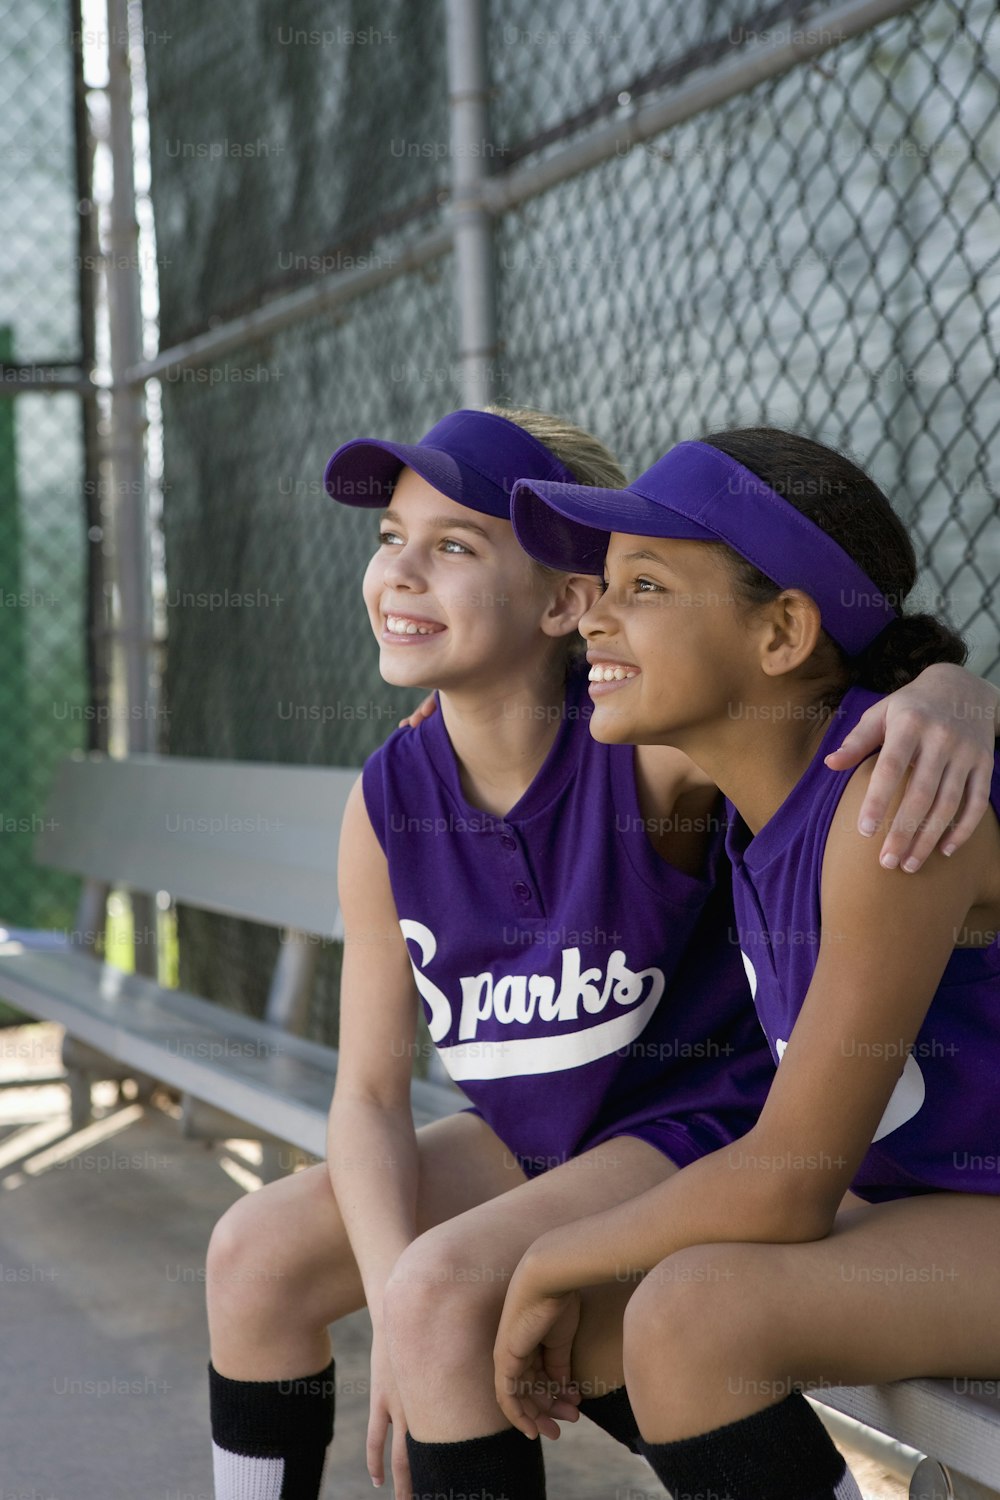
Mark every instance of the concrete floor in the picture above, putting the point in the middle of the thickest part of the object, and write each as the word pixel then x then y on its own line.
pixel 104 1349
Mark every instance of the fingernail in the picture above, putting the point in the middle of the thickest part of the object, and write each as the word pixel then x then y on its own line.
pixel 911 866
pixel 867 827
pixel 889 861
pixel 948 849
pixel 377 1483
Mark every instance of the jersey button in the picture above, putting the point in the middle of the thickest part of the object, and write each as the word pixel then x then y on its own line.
pixel 522 891
pixel 507 841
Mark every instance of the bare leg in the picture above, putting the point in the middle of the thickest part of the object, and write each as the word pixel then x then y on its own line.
pixel 716 1333
pixel 280 1267
pixel 443 1303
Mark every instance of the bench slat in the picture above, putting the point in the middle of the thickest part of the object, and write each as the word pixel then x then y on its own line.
pixel 248 840
pixel 956 1427
pixel 280 1083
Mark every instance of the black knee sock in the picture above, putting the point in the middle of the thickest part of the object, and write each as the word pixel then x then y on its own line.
pixel 614 1413
pixel 781 1453
pixel 504 1466
pixel 270 1436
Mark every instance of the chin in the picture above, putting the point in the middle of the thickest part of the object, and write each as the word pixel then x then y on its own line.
pixel 396 675
pixel 609 728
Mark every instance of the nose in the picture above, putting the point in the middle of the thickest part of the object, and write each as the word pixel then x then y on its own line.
pixel 599 618
pixel 403 569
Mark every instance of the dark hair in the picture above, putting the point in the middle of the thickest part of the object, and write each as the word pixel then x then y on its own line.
pixel 844 502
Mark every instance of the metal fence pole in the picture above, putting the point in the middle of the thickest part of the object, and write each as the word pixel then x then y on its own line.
pixel 128 426
pixel 98 664
pixel 468 89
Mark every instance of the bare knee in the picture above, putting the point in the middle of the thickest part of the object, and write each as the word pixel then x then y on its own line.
pixel 246 1265
pixel 699 1316
pixel 282 1252
pixel 444 1296
pixel 663 1318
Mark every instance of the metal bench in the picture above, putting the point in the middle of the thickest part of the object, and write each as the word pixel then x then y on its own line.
pixel 252 841
pixel 956 1422
pixel 260 842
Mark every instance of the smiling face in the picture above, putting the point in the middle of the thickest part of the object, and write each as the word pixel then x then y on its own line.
pixel 669 648
pixel 452 597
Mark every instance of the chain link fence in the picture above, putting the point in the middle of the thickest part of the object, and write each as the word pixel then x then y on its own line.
pixel 45 703
pixel 816 249
pixel 820 252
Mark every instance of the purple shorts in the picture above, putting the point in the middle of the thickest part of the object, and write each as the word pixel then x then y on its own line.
pixel 681 1141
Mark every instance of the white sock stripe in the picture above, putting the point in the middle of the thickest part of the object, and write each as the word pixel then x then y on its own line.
pixel 238 1477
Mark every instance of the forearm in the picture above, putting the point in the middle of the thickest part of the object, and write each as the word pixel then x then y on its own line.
pixel 990 695
pixel 733 1194
pixel 953 693
pixel 373 1164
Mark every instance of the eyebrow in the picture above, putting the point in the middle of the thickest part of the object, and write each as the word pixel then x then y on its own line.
pixel 645 556
pixel 443 523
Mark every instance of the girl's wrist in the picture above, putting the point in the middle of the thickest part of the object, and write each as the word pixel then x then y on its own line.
pixel 544 1269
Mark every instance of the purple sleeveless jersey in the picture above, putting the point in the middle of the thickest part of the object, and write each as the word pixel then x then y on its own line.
pixel 941 1129
pixel 576 985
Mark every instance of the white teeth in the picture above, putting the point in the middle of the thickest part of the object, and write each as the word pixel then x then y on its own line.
pixel 600 673
pixel 396 625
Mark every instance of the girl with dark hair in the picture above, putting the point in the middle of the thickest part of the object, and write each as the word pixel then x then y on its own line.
pixel 753 613
pixel 560 909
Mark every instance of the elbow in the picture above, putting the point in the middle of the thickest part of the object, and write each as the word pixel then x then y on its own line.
pixel 801 1219
pixel 389 1097
pixel 785 1214
pixel 794 1198
pixel 361 1121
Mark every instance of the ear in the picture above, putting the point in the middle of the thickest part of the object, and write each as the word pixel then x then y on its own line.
pixel 792 628
pixel 572 595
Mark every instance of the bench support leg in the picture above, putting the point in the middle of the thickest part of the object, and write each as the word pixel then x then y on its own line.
pixel 84 1067
pixel 932 1481
pixel 80 1107
pixel 201 1121
pixel 292 982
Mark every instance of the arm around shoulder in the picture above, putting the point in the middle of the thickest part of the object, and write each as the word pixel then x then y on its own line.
pixel 939 734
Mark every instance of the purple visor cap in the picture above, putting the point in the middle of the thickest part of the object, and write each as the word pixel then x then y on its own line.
pixel 473 457
pixel 696 493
